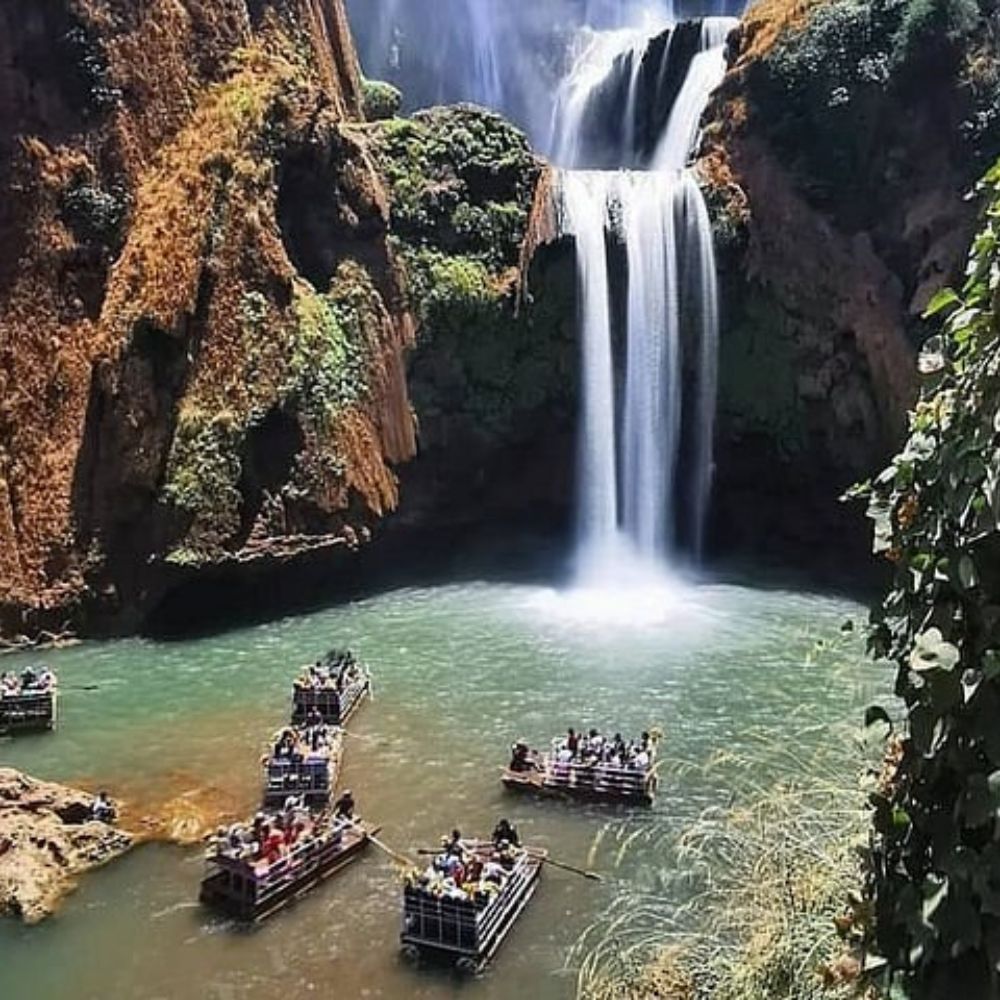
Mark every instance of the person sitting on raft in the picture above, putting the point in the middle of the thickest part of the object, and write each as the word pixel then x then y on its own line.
pixel 521 758
pixel 344 807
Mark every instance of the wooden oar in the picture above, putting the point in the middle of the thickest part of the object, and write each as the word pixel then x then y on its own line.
pixel 593 876
pixel 382 846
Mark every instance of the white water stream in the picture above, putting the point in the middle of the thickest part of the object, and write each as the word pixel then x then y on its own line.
pixel 660 217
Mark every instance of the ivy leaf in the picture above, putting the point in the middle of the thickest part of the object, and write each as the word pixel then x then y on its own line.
pixel 935 894
pixel 967 575
pixel 944 298
pixel 991 664
pixel 880 513
pixel 876 713
pixel 932 652
pixel 931 360
pixel 971 680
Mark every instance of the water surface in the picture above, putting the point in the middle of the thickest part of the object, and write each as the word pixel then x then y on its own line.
pixel 460 670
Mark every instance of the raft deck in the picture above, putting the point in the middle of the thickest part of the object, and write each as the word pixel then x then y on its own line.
pixel 250 892
pixel 468 932
pixel 336 707
pixel 311 776
pixel 594 782
pixel 32 711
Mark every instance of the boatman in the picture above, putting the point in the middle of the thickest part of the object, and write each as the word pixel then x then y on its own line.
pixel 343 808
pixel 505 832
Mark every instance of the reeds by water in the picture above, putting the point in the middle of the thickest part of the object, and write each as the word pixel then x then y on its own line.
pixel 751 901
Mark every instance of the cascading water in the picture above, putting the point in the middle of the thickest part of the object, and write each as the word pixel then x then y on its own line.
pixel 664 225
pixel 652 413
pixel 624 174
pixel 585 196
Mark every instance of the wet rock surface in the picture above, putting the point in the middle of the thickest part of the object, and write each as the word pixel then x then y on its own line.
pixel 47 841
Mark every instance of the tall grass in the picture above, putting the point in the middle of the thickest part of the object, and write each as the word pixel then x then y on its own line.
pixel 749 897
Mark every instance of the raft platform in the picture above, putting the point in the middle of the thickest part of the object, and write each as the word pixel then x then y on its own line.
pixel 249 892
pixel 310 776
pixel 467 933
pixel 335 704
pixel 589 781
pixel 31 711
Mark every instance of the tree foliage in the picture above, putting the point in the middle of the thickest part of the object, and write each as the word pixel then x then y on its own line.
pixel 936 513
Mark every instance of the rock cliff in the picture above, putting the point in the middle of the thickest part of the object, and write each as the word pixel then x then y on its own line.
pixel 203 323
pixel 47 840
pixel 838 175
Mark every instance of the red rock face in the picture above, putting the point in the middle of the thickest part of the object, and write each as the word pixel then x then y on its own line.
pixel 160 407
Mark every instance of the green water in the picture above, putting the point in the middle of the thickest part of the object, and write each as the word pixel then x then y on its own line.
pixel 460 670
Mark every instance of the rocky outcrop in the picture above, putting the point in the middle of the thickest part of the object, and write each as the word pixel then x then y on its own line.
pixel 837 178
pixel 203 321
pixel 47 841
pixel 493 375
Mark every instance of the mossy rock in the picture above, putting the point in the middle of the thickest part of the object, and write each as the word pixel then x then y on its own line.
pixel 462 181
pixel 380 100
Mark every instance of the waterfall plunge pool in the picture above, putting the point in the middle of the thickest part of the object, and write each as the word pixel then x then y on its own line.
pixel 459 670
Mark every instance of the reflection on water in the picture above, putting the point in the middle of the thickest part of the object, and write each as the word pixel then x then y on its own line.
pixel 459 671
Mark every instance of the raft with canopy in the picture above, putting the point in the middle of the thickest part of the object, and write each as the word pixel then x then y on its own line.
pixel 309 773
pixel 249 891
pixel 334 687
pixel 29 710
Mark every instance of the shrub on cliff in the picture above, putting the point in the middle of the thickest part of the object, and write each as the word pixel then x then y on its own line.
pixel 936 511
pixel 829 92
pixel 462 180
pixel 380 100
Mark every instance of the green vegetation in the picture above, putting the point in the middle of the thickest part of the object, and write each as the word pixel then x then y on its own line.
pixel 829 93
pixel 380 100
pixel 462 181
pixel 935 865
pixel 94 215
pixel 327 368
pixel 203 474
pixel 758 899
pixel 758 384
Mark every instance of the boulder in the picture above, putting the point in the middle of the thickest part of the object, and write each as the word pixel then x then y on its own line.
pixel 47 841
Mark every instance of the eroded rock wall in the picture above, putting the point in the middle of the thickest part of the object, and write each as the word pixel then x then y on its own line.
pixel 202 322
pixel 837 157
pixel 47 841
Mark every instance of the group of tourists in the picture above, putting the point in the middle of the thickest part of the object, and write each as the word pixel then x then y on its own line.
pixel 338 671
pixel 296 744
pixel 595 748
pixel 471 872
pixel 29 681
pixel 276 833
pixel 587 748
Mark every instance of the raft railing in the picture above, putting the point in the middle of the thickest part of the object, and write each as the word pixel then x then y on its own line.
pixel 256 888
pixel 29 710
pixel 308 777
pixel 598 777
pixel 463 925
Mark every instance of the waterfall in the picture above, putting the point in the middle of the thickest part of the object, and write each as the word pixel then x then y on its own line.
pixel 704 75
pixel 584 198
pixel 629 512
pixel 652 412
pixel 701 267
pixel 621 122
